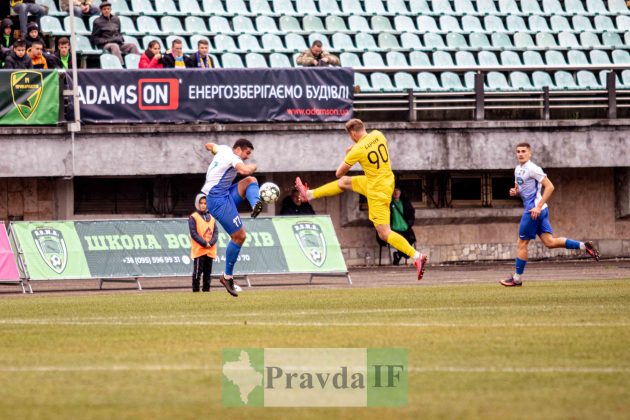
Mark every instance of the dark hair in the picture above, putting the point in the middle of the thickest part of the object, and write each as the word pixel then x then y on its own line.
pixel 63 41
pixel 524 144
pixel 202 42
pixel 316 43
pixel 243 143
pixel 176 41
pixel 37 42
pixel 19 43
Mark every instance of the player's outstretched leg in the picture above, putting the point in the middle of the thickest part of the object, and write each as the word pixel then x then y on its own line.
pixel 327 190
pixel 591 250
pixel 399 242
pixel 588 246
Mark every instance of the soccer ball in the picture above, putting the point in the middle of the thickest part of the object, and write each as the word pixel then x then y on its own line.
pixel 269 192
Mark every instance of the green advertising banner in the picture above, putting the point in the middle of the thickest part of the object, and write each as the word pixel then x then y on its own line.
pixel 29 97
pixel 161 248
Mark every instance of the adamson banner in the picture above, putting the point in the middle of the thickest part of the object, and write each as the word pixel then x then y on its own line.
pixel 222 95
pixel 144 248
pixel 29 97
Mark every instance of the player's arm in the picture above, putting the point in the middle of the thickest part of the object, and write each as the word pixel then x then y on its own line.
pixel 342 169
pixel 245 168
pixel 546 195
pixel 211 147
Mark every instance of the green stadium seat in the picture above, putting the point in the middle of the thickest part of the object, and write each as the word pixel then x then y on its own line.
pixel 343 42
pixel 581 23
pixel 289 24
pixel 404 24
pixel 111 62
pixel 132 40
pixel 225 43
pixel 404 81
pixel 488 7
pixel 273 42
pixel 603 76
pixel 249 43
pixel 625 78
pixel 388 42
pixel 396 59
pixel 500 40
pixel 295 42
pixel 381 82
pixel 79 26
pixel 472 24
pixel 148 38
pixel 564 80
pixel 313 24
pixel 397 7
pixel 627 38
pixel 330 6
pixel 410 41
pixel 496 81
pixel 149 26
pixel 172 25
pixel 365 42
pixel 574 7
pixel 533 58
pixel 335 24
pixel 195 25
pixel 429 82
pixel 465 59
pixel 231 61
pixel 510 58
pixel 523 40
pixel 604 23
pixel 266 25
pixel 555 58
pixel 449 24
pixel 451 81
pixel 51 25
pixel 243 24
pixel 538 23
pixel 434 41
pixel 509 7
pixel 531 7
pixel 362 82
pixel 141 7
pixel 560 23
pixel 349 59
pixel 419 59
pixel 127 26
pixel 120 7
pixel 464 7
pixel 469 80
pixel 552 8
pixel 166 8
pixel 277 60
pixel 613 40
pixel 351 7
pixel 372 59
pixel 516 24
pixel 479 41
pixel 590 40
pixel 236 7
pixel 443 59
pixel 358 24
pixel 419 7
pixel 546 40
pixel 213 8
pixel 487 59
pixel 426 24
pixel 599 57
pixel 577 58
pixel 316 36
pixel 520 81
pixel 621 57
pixel 374 7
pixel 260 7
pixel 255 61
pixel 194 42
pixel 494 24
pixel 541 79
pixel 381 24
pixel 84 46
pixel 132 61
pixel 442 7
pixel 617 7
pixel 305 7
pixel 568 40
pixel 220 25
pixel 596 7
pixel 52 8
pixel 190 8
pixel 587 80
pixel 456 41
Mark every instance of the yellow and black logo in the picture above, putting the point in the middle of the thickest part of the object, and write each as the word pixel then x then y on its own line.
pixel 27 88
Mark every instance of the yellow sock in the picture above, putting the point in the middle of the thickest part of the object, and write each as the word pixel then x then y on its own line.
pixel 327 190
pixel 400 243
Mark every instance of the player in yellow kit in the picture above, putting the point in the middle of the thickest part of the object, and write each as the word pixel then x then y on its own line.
pixel 371 152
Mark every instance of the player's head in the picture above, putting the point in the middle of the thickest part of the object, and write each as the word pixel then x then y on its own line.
pixel 355 129
pixel 200 203
pixel 243 148
pixel 523 152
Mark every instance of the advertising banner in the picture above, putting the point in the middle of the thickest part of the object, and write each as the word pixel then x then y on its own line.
pixel 218 95
pixel 161 248
pixel 8 267
pixel 29 97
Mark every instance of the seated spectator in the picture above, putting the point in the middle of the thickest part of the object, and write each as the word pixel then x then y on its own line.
pixel 106 34
pixel 7 33
pixel 23 7
pixel 39 58
pixel 175 58
pixel 84 8
pixel 33 35
pixel 317 56
pixel 293 205
pixel 200 59
pixel 402 218
pixel 63 55
pixel 152 58
pixel 18 59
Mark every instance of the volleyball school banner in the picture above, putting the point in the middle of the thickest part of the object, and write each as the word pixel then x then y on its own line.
pixel 218 95
pixel 161 248
pixel 29 97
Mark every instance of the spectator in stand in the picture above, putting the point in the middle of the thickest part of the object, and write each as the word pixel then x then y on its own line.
pixel 63 56
pixel 7 39
pixel 33 35
pixel 316 56
pixel 23 7
pixel 152 58
pixel 175 58
pixel 84 9
pixel 18 59
pixel 293 205
pixel 200 59
pixel 402 218
pixel 106 34
pixel 39 58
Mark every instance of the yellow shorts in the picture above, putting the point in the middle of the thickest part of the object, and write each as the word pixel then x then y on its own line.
pixel 378 200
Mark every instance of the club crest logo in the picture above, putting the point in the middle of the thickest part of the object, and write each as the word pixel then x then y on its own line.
pixel 52 248
pixel 311 239
pixel 26 88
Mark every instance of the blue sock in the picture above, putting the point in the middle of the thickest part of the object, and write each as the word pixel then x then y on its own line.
pixel 231 255
pixel 571 244
pixel 252 193
pixel 520 266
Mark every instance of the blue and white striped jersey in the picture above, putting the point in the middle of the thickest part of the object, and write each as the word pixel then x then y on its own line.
pixel 221 172
pixel 528 177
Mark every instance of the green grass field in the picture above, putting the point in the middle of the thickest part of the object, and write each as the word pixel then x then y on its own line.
pixel 546 350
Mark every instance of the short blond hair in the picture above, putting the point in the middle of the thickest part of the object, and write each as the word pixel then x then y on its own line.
pixel 355 125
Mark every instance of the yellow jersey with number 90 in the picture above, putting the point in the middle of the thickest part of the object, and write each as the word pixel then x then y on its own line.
pixel 372 153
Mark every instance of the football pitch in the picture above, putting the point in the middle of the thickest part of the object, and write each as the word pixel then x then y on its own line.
pixel 553 349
